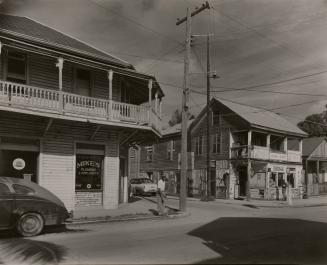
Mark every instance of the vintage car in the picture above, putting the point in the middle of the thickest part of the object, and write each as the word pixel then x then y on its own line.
pixel 142 186
pixel 27 207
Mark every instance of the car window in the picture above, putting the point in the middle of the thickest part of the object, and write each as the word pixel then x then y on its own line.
pixel 4 189
pixel 23 190
pixel 147 181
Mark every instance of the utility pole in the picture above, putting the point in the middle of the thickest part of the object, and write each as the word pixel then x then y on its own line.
pixel 208 119
pixel 183 177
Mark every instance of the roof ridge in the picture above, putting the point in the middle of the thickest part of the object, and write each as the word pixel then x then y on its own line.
pixel 77 39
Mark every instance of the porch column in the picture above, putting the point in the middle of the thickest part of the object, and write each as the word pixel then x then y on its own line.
pixel 268 141
pixel 249 168
pixel 249 142
pixel 160 108
pixel 300 146
pixel 150 98
pixel 60 65
pixel 110 78
pixel 0 46
pixel 306 179
pixel 156 102
pixel 318 169
pixel 285 144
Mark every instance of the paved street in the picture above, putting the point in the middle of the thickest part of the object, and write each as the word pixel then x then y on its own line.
pixel 213 233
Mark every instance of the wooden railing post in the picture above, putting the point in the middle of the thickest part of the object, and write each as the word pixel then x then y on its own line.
pixel 60 65
pixel 110 78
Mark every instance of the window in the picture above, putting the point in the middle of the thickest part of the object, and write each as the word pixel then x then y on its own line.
pixel 4 189
pixel 216 143
pixel 215 118
pixel 277 143
pixel 89 172
pixel 199 145
pixel 23 190
pixel 149 153
pixel 83 82
pixel 170 149
pixel 16 67
pixel 259 139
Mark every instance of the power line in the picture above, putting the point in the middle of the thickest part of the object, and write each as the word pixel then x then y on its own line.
pixel 256 32
pixel 272 83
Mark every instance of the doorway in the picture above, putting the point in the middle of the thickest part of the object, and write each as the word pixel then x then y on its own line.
pixel 242 177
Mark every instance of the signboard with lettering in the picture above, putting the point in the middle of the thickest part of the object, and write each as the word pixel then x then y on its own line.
pixel 88 172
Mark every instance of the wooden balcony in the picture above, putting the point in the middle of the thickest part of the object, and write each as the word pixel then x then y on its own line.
pixel 37 99
pixel 264 153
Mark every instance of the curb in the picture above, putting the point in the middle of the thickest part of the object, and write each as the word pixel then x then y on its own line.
pixel 126 219
pixel 256 205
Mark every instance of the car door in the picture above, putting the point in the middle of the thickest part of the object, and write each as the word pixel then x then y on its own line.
pixel 6 206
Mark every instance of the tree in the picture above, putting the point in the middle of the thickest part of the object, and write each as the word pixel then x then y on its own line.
pixel 315 124
pixel 177 117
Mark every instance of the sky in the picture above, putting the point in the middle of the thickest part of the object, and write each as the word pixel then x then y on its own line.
pixel 258 46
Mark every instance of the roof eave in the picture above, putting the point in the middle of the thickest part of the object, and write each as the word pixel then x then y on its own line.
pixel 278 131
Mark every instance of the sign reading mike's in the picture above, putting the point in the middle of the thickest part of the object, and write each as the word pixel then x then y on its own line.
pixel 88 172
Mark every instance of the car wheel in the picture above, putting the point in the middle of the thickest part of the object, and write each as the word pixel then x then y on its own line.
pixel 30 224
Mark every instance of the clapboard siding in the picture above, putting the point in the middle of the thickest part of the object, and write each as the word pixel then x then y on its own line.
pixel 13 124
pixel 160 156
pixel 58 172
pixel 43 72
pixel 111 183
pixel 57 154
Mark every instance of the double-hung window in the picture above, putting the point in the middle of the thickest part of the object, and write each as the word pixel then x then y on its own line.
pixel 216 143
pixel 149 153
pixel 16 67
pixel 199 145
pixel 170 149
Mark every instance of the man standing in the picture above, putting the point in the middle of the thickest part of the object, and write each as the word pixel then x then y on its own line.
pixel 161 196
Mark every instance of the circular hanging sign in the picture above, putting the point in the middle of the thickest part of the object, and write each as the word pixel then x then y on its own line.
pixel 18 164
pixel 89 186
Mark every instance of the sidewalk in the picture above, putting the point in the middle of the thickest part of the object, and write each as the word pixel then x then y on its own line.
pixel 146 208
pixel 310 202
pixel 137 209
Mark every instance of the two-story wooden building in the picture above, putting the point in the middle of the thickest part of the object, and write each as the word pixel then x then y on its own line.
pixel 249 146
pixel 163 158
pixel 315 165
pixel 68 112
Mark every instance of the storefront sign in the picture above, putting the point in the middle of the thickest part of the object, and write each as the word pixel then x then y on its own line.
pixel 88 172
pixel 18 164
pixel 278 169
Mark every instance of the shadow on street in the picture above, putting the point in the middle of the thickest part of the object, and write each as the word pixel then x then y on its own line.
pixel 264 240
pixel 27 251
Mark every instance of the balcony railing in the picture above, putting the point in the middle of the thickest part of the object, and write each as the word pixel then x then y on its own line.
pixel 264 153
pixel 35 98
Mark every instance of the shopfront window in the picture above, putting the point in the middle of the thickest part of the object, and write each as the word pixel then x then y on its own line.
pixel 89 171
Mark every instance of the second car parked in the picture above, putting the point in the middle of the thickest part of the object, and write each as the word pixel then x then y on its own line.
pixel 142 186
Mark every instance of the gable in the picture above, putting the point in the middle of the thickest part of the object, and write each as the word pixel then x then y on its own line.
pixel 320 152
